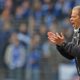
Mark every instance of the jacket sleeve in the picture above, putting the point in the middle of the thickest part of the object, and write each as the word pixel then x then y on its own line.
pixel 66 50
pixel 73 49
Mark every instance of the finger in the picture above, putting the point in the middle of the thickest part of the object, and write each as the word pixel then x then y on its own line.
pixel 62 36
pixel 53 37
pixel 52 40
pixel 58 35
pixel 51 34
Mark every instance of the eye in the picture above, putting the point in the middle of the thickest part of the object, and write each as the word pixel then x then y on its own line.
pixel 73 16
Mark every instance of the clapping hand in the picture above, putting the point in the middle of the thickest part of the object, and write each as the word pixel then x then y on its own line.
pixel 56 38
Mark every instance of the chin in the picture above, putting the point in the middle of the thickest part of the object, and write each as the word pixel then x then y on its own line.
pixel 73 26
pixel 76 27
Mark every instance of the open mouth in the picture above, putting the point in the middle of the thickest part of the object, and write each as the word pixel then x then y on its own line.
pixel 72 23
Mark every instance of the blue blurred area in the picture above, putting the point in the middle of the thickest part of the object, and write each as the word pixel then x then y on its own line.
pixel 25 52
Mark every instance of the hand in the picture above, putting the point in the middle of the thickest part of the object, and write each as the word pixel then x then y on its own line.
pixel 56 38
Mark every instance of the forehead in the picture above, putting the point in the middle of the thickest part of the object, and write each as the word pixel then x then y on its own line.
pixel 75 12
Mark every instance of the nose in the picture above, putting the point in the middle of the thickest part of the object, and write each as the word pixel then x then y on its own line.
pixel 71 19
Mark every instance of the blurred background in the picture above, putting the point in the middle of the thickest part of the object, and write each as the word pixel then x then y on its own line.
pixel 25 52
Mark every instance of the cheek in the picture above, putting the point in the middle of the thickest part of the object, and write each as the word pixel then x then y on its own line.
pixel 75 20
pixel 72 19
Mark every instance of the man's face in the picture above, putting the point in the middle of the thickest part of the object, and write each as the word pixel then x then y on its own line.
pixel 75 18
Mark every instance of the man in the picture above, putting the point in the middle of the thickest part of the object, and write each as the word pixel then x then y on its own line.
pixel 14 58
pixel 70 50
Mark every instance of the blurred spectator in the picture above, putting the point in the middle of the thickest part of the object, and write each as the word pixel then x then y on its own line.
pixel 4 37
pixel 47 9
pixel 47 6
pixel 5 17
pixel 18 16
pixel 26 9
pixel 14 58
pixel 43 34
pixel 34 57
pixel 8 4
pixel 19 12
pixel 37 14
pixel 48 20
pixel 47 69
pixel 23 35
pixel 31 25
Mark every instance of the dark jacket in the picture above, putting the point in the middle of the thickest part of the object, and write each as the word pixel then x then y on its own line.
pixel 71 50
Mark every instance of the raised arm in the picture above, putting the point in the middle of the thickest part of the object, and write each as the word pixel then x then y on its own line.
pixel 62 46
